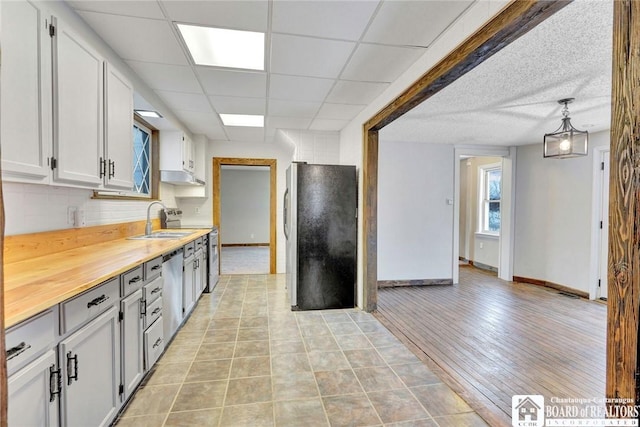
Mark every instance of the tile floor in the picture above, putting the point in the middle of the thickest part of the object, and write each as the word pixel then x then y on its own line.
pixel 244 260
pixel 244 359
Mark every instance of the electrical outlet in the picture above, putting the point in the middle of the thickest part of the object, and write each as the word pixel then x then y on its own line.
pixel 71 215
pixel 253 236
pixel 197 209
pixel 481 245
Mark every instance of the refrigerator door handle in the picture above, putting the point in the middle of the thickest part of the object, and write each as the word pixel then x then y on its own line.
pixel 284 214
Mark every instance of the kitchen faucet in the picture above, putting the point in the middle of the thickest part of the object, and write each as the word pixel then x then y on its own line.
pixel 147 227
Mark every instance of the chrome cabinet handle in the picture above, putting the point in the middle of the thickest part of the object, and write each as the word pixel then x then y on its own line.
pixel 156 311
pixel 17 350
pixel 155 290
pixel 157 343
pixel 156 267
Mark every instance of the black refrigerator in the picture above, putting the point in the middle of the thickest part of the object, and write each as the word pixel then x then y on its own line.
pixel 320 224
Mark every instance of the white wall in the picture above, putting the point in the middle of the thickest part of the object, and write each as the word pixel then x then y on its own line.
pixel 415 222
pixel 475 247
pixel 553 216
pixel 32 208
pixel 351 136
pixel 244 205
pixel 313 147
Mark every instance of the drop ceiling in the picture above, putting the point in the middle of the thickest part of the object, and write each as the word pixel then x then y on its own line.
pixel 511 98
pixel 325 60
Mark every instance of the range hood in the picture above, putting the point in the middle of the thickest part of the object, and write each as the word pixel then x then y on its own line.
pixel 180 178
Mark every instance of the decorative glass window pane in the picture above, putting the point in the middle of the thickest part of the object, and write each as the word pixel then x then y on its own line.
pixel 141 160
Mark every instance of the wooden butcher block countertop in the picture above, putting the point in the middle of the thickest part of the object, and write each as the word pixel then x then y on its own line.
pixel 36 284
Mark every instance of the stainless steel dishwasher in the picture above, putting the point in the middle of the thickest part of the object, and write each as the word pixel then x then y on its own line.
pixel 172 293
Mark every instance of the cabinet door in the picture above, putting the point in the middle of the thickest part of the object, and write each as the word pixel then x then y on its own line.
pixel 118 145
pixel 78 109
pixel 132 342
pixel 201 274
pixel 30 399
pixel 26 92
pixel 188 157
pixel 90 360
pixel 188 286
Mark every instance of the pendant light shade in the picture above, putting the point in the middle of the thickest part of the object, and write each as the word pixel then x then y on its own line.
pixel 566 141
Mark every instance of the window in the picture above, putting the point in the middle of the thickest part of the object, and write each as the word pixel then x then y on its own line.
pixel 141 160
pixel 145 160
pixel 490 195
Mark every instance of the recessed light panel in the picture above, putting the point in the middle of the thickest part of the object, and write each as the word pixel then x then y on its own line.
pixel 147 113
pixel 219 47
pixel 248 120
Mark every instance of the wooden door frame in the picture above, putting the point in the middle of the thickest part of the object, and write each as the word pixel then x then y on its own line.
pixel 515 20
pixel 218 162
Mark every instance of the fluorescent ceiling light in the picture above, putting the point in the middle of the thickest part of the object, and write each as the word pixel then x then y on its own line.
pixel 224 48
pixel 248 120
pixel 148 113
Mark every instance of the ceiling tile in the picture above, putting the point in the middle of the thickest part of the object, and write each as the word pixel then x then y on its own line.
pixel 413 23
pixel 138 39
pixel 299 88
pixel 203 123
pixel 375 63
pixel 186 101
pixel 233 83
pixel 328 124
pixel 177 78
pixel 141 9
pixel 245 134
pixel 274 122
pixel 331 19
pixel 237 105
pixel 348 92
pixel 239 15
pixel 339 111
pixel 305 56
pixel 279 107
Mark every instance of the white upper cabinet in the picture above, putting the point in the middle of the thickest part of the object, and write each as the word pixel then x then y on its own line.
pixel 66 114
pixel 176 152
pixel 26 92
pixel 118 146
pixel 78 114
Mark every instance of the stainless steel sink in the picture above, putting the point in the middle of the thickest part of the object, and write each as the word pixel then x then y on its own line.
pixel 161 235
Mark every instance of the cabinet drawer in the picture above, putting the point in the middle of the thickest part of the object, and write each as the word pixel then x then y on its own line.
pixel 152 290
pixel 27 340
pixel 189 249
pixel 88 305
pixel 154 310
pixel 153 343
pixel 152 269
pixel 132 280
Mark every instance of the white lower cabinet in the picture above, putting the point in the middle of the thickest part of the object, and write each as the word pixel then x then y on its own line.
pixel 153 342
pixel 33 393
pixel 132 342
pixel 90 363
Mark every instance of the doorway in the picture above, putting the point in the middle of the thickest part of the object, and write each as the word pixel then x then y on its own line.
pixel 264 164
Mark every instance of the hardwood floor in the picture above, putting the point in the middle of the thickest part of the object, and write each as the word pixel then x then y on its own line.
pixel 493 339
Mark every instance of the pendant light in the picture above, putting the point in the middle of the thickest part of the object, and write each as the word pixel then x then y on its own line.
pixel 566 141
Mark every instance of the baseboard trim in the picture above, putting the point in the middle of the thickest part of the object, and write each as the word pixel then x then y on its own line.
pixel 224 245
pixel 556 286
pixel 417 282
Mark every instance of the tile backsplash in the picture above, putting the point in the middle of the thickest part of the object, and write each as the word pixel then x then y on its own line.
pixel 32 208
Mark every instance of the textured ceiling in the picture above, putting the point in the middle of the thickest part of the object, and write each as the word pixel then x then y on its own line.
pixel 511 98
pixel 326 60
